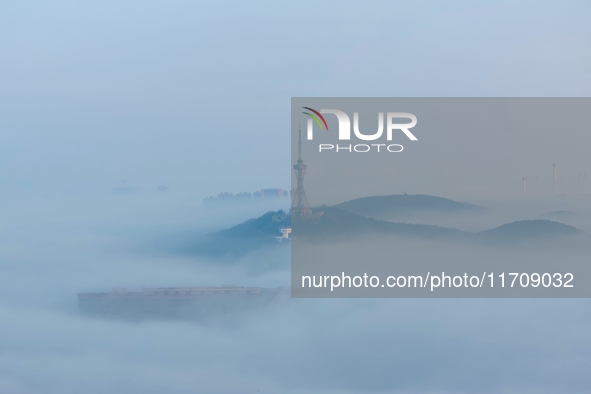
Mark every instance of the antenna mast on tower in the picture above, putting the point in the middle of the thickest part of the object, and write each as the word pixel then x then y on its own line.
pixel 299 203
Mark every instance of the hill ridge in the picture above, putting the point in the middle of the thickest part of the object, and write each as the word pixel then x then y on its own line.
pixel 335 222
pixel 401 205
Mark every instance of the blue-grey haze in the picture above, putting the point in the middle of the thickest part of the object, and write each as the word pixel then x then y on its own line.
pixel 196 96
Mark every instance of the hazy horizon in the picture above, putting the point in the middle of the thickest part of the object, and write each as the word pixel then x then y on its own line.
pixel 196 96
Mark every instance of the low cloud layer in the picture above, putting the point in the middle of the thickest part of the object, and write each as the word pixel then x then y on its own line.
pixel 292 346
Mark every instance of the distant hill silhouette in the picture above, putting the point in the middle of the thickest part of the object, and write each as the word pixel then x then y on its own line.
pixel 244 237
pixel 560 214
pixel 400 206
pixel 336 222
pixel 332 223
pixel 527 230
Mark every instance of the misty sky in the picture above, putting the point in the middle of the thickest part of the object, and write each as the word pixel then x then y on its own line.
pixel 195 95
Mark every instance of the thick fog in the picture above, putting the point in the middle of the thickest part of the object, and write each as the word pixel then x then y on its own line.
pixel 98 96
pixel 292 345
